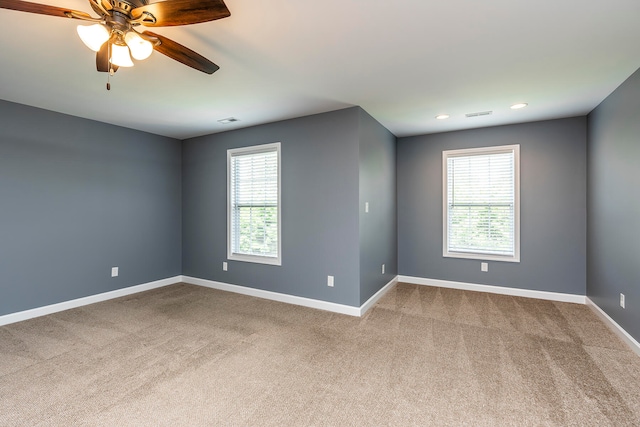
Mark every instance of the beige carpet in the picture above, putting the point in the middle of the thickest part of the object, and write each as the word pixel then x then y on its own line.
pixel 191 356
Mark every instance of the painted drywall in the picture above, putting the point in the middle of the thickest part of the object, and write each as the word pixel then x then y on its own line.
pixel 319 168
pixel 377 187
pixel 79 197
pixel 553 206
pixel 614 205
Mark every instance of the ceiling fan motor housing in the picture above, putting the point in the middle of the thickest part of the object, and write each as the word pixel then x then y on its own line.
pixel 122 6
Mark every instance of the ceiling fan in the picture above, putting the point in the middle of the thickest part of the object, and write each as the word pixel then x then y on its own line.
pixel 114 34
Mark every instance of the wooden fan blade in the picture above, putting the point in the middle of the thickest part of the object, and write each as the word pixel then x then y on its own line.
pixel 102 59
pixel 182 12
pixel 183 54
pixel 42 9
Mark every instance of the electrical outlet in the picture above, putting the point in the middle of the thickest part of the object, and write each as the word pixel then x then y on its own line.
pixel 382 268
pixel 330 281
pixel 484 266
pixel 114 271
pixel 224 266
pixel 622 303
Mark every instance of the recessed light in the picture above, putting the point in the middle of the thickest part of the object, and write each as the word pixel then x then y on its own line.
pixel 442 116
pixel 519 106
pixel 228 120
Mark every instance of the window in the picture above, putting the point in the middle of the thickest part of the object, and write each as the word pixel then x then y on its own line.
pixel 253 201
pixel 481 203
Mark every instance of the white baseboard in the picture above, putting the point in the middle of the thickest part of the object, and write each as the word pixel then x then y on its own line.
pixel 613 325
pixel 66 305
pixel 322 305
pixel 552 296
pixel 292 299
pixel 374 299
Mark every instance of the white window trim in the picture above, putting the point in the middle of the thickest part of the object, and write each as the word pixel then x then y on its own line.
pixel 254 258
pixel 482 150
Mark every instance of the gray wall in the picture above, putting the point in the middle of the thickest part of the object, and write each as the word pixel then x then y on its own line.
pixel 553 207
pixel 378 228
pixel 614 205
pixel 79 197
pixel 319 207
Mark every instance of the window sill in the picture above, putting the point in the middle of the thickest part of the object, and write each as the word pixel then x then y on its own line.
pixel 255 259
pixel 482 257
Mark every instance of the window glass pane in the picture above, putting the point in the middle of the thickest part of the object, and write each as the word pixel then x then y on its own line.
pixel 253 182
pixel 481 202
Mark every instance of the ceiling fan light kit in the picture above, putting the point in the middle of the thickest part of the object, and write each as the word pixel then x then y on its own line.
pixel 113 35
pixel 94 36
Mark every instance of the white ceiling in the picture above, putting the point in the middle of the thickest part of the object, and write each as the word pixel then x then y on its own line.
pixel 403 61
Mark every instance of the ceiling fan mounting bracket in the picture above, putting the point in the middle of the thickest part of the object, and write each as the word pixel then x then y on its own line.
pixel 72 14
pixel 145 19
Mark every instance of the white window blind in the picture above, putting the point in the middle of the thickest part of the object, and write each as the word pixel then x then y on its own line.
pixel 254 211
pixel 482 203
